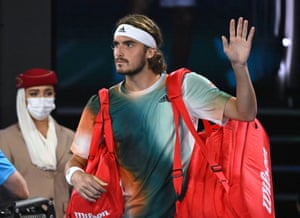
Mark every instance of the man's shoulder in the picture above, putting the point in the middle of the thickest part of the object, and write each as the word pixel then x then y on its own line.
pixel 115 87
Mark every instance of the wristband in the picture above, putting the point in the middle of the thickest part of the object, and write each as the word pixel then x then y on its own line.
pixel 70 172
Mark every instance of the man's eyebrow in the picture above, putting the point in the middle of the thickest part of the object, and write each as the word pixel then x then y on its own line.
pixel 129 41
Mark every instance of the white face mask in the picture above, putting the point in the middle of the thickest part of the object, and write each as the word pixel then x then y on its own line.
pixel 40 108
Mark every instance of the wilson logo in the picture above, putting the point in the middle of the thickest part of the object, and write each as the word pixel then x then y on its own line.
pixel 266 184
pixel 90 215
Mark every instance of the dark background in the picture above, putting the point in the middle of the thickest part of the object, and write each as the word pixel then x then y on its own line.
pixel 74 37
pixel 84 34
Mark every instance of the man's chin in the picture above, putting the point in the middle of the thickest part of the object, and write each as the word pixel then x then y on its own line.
pixel 120 68
pixel 121 71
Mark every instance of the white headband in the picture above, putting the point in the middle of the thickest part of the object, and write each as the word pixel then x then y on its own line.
pixel 135 33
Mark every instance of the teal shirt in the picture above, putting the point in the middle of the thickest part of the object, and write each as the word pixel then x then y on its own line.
pixel 143 128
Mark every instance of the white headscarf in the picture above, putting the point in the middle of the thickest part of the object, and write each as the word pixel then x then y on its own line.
pixel 42 150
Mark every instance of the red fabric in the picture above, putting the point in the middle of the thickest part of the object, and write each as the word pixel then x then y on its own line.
pixel 36 77
pixel 101 163
pixel 242 185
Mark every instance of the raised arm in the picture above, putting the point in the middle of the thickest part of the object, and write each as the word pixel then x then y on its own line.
pixel 237 49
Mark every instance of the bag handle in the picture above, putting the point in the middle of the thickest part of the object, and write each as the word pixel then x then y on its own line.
pixel 174 81
pixel 104 108
pixel 101 130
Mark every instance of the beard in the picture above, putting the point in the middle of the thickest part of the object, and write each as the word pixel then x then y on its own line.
pixel 134 71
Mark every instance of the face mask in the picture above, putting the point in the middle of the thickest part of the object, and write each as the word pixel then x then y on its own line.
pixel 40 108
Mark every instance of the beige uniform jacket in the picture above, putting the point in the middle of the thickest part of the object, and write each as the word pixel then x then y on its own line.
pixel 48 184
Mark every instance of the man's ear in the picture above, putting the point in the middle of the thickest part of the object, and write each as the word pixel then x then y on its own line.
pixel 150 52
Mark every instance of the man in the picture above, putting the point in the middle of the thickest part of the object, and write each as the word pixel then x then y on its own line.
pixel 142 118
pixel 11 181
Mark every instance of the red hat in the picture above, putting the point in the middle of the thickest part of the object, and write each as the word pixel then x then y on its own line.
pixel 36 77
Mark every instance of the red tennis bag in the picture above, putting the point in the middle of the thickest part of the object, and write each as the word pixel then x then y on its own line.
pixel 230 171
pixel 102 164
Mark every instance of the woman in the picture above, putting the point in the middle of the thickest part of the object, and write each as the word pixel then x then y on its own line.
pixel 37 145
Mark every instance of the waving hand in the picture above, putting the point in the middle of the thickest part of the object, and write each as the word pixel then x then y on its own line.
pixel 238 47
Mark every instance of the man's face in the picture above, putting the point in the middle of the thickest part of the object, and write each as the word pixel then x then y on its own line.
pixel 129 55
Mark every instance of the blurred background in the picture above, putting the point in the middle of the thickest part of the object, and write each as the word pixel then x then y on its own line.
pixel 73 37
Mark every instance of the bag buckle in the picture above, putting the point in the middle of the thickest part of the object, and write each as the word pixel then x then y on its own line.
pixel 177 173
pixel 216 168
